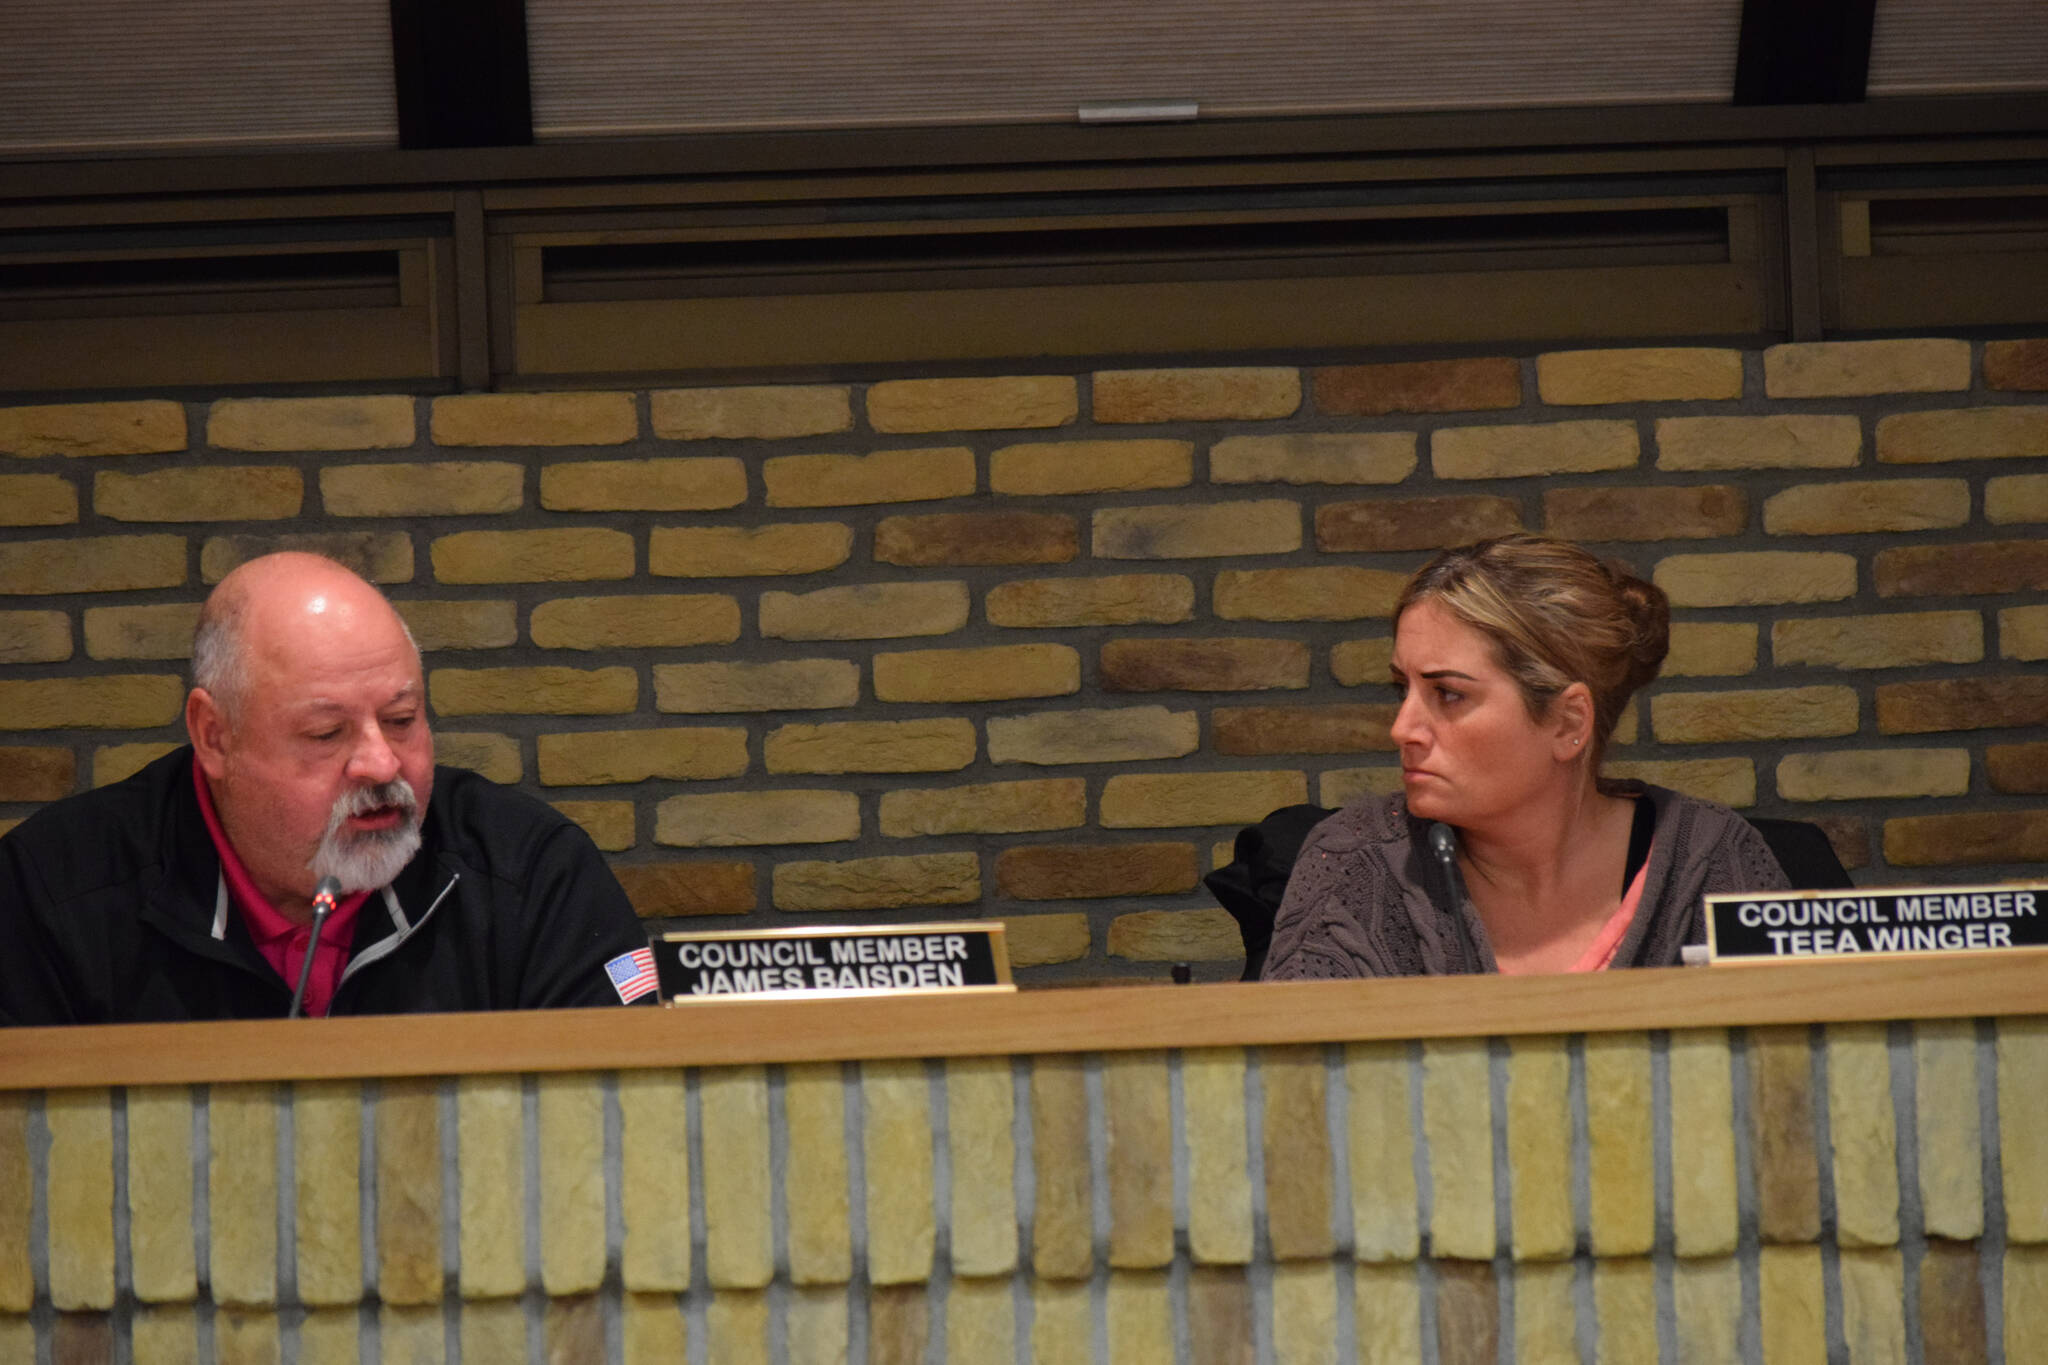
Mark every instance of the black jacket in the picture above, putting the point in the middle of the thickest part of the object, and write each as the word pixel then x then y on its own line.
pixel 110 912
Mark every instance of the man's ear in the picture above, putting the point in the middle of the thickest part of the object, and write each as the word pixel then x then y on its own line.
pixel 1572 721
pixel 208 729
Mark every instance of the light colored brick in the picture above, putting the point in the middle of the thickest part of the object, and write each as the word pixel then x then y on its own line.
pixel 913 405
pixel 610 824
pixel 1621 1209
pixel 533 691
pixel 1539 1130
pixel 1873 1304
pixel 1727 781
pixel 730 819
pixel 113 763
pixel 408 1177
pixel 736 1323
pixel 2015 433
pixel 1305 1312
pixel 785 685
pixel 1708 1295
pixel 814 1174
pixel 1777 441
pixel 748 552
pixel 1756 578
pixel 79 1198
pixel 1862 1136
pixel 1904 640
pixel 981 1320
pixel 1197 531
pixel 1118 600
pixel 1342 786
pixel 110 702
pixel 37 500
pixel 764 412
pixel 163 1267
pixel 999 673
pixel 934 745
pixel 1165 800
pixel 566 556
pixel 1212 395
pixel 1765 713
pixel 1703 649
pixel 1125 734
pixel 495 756
pixel 884 476
pixel 1357 662
pixel 91 564
pixel 1325 593
pixel 1704 1200
pixel 1381 1138
pixel 34 637
pixel 141 632
pixel 1219 1169
pixel 592 757
pixel 1839 369
pixel 572 1143
pixel 645 621
pixel 1042 940
pixel 739 1237
pixel 1091 467
pixel 986 808
pixel 1207 934
pixel 1520 451
pixel 1457 1121
pixel 1372 457
pixel 380 556
pixel 2023 1126
pixel 2023 632
pixel 879 883
pixel 491 1215
pixel 148 427
pixel 980 1108
pixel 1948 1128
pixel 1546 1312
pixel 220 493
pixel 1833 509
pixel 17 1214
pixel 896 1136
pixel 461 625
pixel 1625 1309
pixel 865 611
pixel 2016 498
pixel 534 419
pixel 242 1193
pixel 1859 774
pixel 814 1325
pixel 1639 375
pixel 383 422
pixel 1389 1312
pixel 443 489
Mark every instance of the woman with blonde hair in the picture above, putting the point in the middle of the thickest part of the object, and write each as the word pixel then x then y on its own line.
pixel 1507 850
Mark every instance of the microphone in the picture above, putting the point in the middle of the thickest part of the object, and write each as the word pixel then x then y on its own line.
pixel 1443 842
pixel 324 894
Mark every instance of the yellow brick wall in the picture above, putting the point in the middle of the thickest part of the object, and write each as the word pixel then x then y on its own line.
pixel 796 650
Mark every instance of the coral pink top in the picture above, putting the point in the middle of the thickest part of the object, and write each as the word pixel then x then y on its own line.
pixel 1601 953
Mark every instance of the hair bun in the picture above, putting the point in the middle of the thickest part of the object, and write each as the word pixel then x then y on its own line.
pixel 1649 611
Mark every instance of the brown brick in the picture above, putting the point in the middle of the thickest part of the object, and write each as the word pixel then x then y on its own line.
pixel 37 500
pixel 785 685
pixel 1697 512
pixel 141 632
pixel 223 493
pixel 1042 940
pixel 690 485
pixel 38 774
pixel 533 691
pixel 1353 729
pixel 1205 935
pixel 1829 509
pixel 1702 649
pixel 635 622
pixel 693 887
pixel 2016 498
pixel 569 555
pixel 1850 836
pixel 450 488
pixel 1203 665
pixel 112 702
pixel 1863 774
pixel 1314 457
pixel 1065 872
pixel 865 611
pixel 1213 395
pixel 384 422
pixel 149 427
pixel 1197 531
pixel 748 552
pixel 1090 467
pixel 593 757
pixel 1639 375
pixel 2009 836
pixel 1169 800
pixel 1952 1299
pixel 879 883
pixel 1916 708
pixel 1468 1312
pixel 461 625
pixel 884 476
pixel 986 808
pixel 1765 713
pixel 765 412
pixel 380 556
pixel 495 756
pixel 1010 401
pixel 1420 386
pixel 2021 365
pixel 1836 369
pixel 91 564
pixel 1328 593
pixel 1963 434
pixel 534 419
pixel 1512 452
pixel 2017 767
pixel 608 823
pixel 1118 600
pixel 957 538
pixel 1000 673
pixel 34 637
pixel 1904 640
pixel 1127 734
pixel 1999 566
pixel 1413 523
pixel 1756 578
pixel 1729 781
pixel 1778 441
pixel 2023 632
pixel 936 745
pixel 728 819
pixel 1356 662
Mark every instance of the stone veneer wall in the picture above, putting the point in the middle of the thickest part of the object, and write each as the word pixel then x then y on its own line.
pixel 1034 646
pixel 1862 1192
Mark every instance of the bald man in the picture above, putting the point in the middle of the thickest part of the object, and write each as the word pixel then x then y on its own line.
pixel 187 891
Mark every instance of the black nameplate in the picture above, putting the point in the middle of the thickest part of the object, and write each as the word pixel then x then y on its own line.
pixel 1776 925
pixel 785 963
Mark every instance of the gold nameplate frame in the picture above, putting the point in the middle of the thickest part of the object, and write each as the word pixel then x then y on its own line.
pixel 954 958
pixel 1915 921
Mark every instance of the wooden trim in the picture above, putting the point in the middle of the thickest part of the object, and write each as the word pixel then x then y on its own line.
pixel 1103 1020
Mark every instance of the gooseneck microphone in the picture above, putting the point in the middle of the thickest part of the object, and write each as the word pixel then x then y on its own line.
pixel 1443 842
pixel 325 891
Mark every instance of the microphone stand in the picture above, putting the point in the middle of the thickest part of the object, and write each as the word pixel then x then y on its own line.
pixel 323 905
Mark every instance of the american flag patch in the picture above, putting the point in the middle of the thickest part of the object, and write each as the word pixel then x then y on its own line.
pixel 632 974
